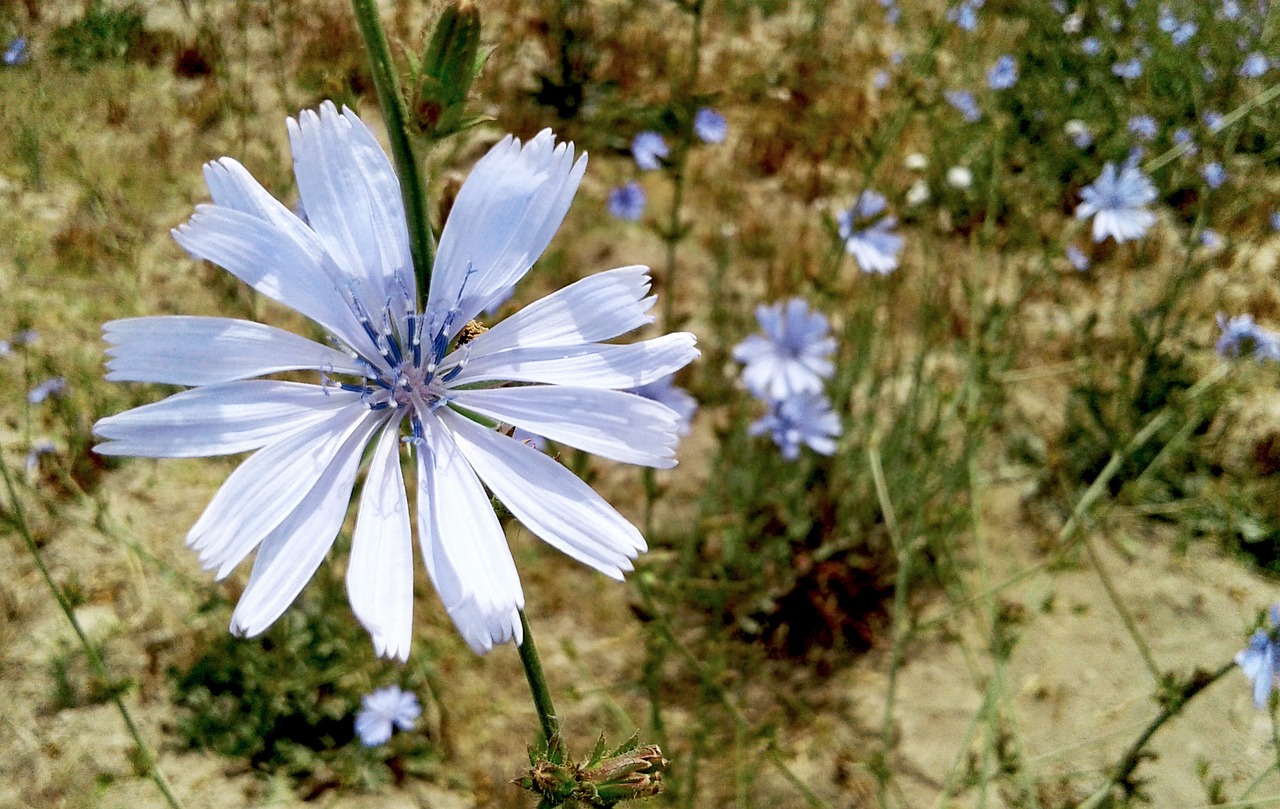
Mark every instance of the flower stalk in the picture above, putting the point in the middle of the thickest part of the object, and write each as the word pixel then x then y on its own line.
pixel 541 694
pixel 396 116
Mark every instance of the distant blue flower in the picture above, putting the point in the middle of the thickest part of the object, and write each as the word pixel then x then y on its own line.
pixel 627 201
pixel 1129 69
pixel 880 79
pixel 1210 239
pixel 1167 22
pixel 1183 33
pixel 1183 136
pixel 965 15
pixel 1077 258
pixel 1240 335
pixel 792 356
pixel 1275 221
pixel 1230 9
pixel 32 462
pixel 382 711
pixel 50 387
pixel 709 125
pixel 665 391
pixel 1091 46
pixel 964 102
pixel 867 234
pixel 1079 133
pixel 16 53
pixel 649 149
pixel 1213 120
pixel 1004 74
pixel 1254 65
pixel 892 14
pixel 1214 175
pixel 1259 661
pixel 804 419
pixel 1143 127
pixel 1117 202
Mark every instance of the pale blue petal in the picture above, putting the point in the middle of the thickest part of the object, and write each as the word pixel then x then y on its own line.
pixel 548 499
pixel 464 547
pixel 380 573
pixel 503 219
pixel 599 307
pixel 220 419
pixel 183 350
pixel 289 555
pixel 591 365
pixel 610 423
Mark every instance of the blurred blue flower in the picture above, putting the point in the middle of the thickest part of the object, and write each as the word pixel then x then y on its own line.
pixel 1091 46
pixel 47 388
pixel 1079 133
pixel 665 391
pixel 1167 21
pixel 803 419
pixel 1259 661
pixel 1183 33
pixel 1275 221
pixel 965 15
pixel 16 52
pixel 628 201
pixel 867 234
pixel 1240 335
pixel 1214 175
pixel 1183 136
pixel 1213 120
pixel 1004 74
pixel 1254 65
pixel 709 125
pixel 382 711
pixel 964 103
pixel 1230 9
pixel 32 462
pixel 1143 127
pixel 1077 258
pixel 649 149
pixel 1129 69
pixel 1210 239
pixel 880 79
pixel 1117 202
pixel 792 356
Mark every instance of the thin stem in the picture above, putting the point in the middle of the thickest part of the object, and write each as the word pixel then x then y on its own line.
pixel 395 115
pixel 675 231
pixel 541 694
pixel 147 758
pixel 1125 616
pixel 1133 756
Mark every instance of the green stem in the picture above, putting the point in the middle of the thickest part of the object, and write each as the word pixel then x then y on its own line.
pixel 395 115
pixel 147 758
pixel 679 168
pixel 541 694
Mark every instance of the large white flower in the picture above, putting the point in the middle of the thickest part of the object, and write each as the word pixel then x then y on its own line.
pixel 396 377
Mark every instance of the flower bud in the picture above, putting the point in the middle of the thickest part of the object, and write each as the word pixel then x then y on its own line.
pixel 448 67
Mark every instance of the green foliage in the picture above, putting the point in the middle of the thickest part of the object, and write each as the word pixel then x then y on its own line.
pixel 102 34
pixel 285 703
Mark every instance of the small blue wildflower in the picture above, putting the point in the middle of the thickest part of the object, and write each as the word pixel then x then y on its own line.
pixel 1091 46
pixel 1167 21
pixel 1143 127
pixel 1004 74
pixel 1254 65
pixel 1214 175
pixel 665 391
pixel 1129 69
pixel 1183 137
pixel 1275 221
pixel 892 15
pixel 965 15
pixel 1210 239
pixel 1117 202
pixel 880 79
pixel 793 354
pixel 32 462
pixel 709 125
pixel 1240 335
pixel 897 57
pixel 1078 258
pixel 801 419
pixel 47 388
pixel 871 243
pixel 1079 133
pixel 627 201
pixel 16 52
pixel 1213 120
pixel 964 103
pixel 1230 9
pixel 1183 33
pixel 384 710
pixel 649 149
pixel 1259 661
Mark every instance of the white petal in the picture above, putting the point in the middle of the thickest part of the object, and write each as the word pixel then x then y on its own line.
pixel 380 573
pixel 181 350
pixel 220 419
pixel 264 492
pixel 591 365
pixel 503 219
pixel 280 264
pixel 548 499
pixel 599 307
pixel 622 426
pixel 464 547
pixel 290 554
pixel 352 199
